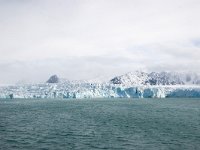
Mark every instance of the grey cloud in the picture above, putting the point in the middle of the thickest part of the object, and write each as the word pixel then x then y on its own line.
pixel 83 39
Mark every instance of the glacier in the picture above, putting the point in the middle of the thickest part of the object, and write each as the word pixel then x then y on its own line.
pixel 97 91
pixel 131 85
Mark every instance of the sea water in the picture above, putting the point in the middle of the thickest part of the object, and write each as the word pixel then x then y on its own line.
pixel 153 124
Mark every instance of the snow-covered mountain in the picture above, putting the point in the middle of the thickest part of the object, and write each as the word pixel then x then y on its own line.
pixel 156 78
pixel 131 79
pixel 131 85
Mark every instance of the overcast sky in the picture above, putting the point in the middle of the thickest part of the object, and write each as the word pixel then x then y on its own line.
pixel 83 39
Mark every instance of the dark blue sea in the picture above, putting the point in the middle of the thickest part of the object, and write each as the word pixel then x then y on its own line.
pixel 113 124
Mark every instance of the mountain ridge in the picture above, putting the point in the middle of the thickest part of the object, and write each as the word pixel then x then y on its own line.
pixel 157 78
pixel 139 78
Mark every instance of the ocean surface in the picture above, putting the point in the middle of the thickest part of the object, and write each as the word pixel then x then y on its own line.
pixel 118 124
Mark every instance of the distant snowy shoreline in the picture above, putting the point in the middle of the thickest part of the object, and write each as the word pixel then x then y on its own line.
pixel 131 85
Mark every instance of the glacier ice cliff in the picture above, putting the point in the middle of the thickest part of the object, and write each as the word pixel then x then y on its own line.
pixel 97 91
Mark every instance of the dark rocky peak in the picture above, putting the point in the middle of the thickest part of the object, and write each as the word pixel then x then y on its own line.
pixel 53 79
